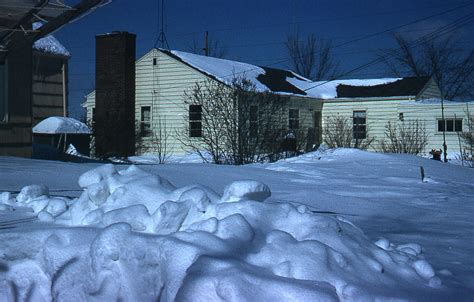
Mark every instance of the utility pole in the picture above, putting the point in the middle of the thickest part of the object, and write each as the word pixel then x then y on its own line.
pixel 445 147
pixel 206 44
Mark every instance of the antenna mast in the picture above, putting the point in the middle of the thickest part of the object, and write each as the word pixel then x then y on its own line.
pixel 162 36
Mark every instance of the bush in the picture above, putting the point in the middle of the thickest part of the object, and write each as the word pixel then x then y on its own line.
pixel 338 133
pixel 404 137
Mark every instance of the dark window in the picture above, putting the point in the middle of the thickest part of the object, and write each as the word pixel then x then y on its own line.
pixel 195 120
pixel 401 117
pixel 293 119
pixel 450 125
pixel 3 92
pixel 154 61
pixel 440 125
pixel 145 122
pixel 359 128
pixel 458 125
pixel 253 121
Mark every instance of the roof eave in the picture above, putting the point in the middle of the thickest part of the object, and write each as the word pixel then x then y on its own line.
pixel 357 99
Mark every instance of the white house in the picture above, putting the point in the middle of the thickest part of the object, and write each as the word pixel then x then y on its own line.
pixel 163 76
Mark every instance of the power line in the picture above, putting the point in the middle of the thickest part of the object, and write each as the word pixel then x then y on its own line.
pixel 243 28
pixel 361 38
pixel 441 31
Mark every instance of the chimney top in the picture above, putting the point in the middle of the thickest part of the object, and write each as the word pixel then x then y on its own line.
pixel 116 32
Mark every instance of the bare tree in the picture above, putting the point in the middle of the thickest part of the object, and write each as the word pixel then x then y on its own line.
pixel 404 137
pixel 234 124
pixel 215 48
pixel 155 141
pixel 311 57
pixel 338 133
pixel 451 66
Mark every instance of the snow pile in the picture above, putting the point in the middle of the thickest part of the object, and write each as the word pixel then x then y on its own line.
pixel 59 125
pixel 37 198
pixel 148 240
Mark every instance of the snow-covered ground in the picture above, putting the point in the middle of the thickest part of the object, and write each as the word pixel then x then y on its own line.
pixel 339 225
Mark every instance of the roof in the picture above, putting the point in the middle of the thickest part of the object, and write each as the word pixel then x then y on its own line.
pixel 49 44
pixel 328 89
pixel 410 86
pixel 225 71
pixel 287 82
pixel 60 125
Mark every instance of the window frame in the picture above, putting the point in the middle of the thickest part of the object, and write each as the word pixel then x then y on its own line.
pixel 449 125
pixel 145 126
pixel 293 121
pixel 195 120
pixel 359 129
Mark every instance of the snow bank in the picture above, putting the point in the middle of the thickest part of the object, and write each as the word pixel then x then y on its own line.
pixel 61 124
pixel 148 240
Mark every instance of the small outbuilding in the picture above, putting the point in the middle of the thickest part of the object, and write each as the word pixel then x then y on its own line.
pixel 53 135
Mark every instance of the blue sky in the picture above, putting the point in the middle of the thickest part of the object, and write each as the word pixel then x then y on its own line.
pixel 254 31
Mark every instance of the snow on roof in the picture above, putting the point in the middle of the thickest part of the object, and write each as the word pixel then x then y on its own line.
pixel 436 101
pixel 276 80
pixel 223 70
pixel 328 90
pixel 59 125
pixel 49 44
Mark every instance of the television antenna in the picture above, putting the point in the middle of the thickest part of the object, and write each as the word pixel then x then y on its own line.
pixel 162 41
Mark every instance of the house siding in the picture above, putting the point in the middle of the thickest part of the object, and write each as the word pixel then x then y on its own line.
pixel 430 91
pixel 380 112
pixel 162 87
pixel 15 132
pixel 431 113
pixel 48 98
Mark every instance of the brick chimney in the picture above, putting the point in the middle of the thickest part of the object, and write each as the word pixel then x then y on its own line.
pixel 115 94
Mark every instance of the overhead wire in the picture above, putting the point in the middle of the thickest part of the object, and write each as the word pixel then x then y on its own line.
pixel 356 40
pixel 441 31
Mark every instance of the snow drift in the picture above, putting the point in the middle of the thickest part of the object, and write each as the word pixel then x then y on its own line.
pixel 133 236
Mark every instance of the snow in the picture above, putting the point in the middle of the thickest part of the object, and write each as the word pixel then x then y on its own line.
pixel 49 44
pixel 59 125
pixel 435 101
pixel 223 70
pixel 226 70
pixel 329 225
pixel 328 89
